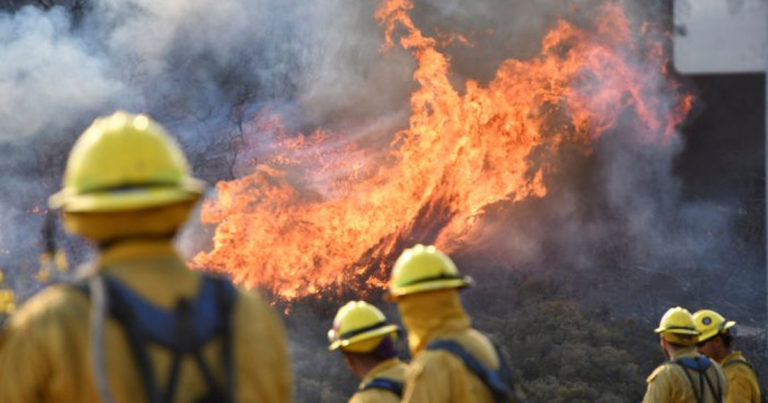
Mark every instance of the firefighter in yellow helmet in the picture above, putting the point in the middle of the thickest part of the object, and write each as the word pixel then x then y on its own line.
pixel 451 361
pixel 715 338
pixel 139 326
pixel 362 333
pixel 687 376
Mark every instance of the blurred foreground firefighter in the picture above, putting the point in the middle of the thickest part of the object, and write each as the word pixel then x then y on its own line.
pixel 715 338
pixel 140 327
pixel 451 361
pixel 362 333
pixel 687 376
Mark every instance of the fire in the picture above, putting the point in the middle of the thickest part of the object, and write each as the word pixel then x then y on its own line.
pixel 318 218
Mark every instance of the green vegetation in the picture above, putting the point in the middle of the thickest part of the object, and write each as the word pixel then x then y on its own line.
pixel 563 355
pixel 560 352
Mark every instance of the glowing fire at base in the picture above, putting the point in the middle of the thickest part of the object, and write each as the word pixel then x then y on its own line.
pixel 460 153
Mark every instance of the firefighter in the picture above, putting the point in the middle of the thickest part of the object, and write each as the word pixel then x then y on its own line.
pixel 687 376
pixel 715 338
pixel 139 326
pixel 451 361
pixel 367 341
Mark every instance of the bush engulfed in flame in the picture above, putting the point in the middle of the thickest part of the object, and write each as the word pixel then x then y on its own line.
pixel 460 153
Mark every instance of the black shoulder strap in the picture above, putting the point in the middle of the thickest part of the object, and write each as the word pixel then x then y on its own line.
pixel 495 381
pixel 184 331
pixel 738 361
pixel 700 365
pixel 387 384
pixel 742 362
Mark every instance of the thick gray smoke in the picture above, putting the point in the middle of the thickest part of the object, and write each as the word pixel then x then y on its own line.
pixel 200 67
pixel 203 67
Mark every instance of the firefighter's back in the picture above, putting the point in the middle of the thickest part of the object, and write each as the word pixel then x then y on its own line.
pixel 45 354
pixel 677 382
pixel 140 326
pixel 438 375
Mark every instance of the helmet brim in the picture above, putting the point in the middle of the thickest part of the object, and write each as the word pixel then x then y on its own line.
pixel 689 332
pixel 134 198
pixel 459 283
pixel 381 331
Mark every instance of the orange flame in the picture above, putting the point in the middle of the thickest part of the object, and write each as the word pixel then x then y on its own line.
pixel 336 226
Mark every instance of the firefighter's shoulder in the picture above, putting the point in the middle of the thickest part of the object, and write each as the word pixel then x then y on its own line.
pixel 433 363
pixel 254 318
pixel 423 362
pixel 662 371
pixel 252 302
pixel 54 303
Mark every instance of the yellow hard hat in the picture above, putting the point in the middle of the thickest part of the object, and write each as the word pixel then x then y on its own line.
pixel 125 162
pixel 677 326
pixel 424 268
pixel 710 323
pixel 359 327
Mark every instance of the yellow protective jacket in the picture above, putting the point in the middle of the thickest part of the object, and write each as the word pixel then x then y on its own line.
pixel 45 353
pixel 669 383
pixel 437 376
pixel 393 369
pixel 742 382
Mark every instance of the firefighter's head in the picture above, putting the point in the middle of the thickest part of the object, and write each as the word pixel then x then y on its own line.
pixel 422 269
pixel 715 333
pixel 363 334
pixel 425 284
pixel 126 177
pixel 676 330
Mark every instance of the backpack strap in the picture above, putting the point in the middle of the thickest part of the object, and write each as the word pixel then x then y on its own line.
pixel 226 296
pixel 184 331
pixel 495 381
pixel 700 365
pixel 387 384
pixel 739 361
pixel 704 364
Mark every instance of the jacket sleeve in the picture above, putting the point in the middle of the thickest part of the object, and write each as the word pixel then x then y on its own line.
pixel 281 364
pixel 30 349
pixel 373 396
pixel 427 381
pixel 38 349
pixel 658 388
pixel 742 389
pixel 361 397
pixel 22 364
pixel 260 351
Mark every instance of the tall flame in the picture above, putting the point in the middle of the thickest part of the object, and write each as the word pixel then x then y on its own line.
pixel 460 153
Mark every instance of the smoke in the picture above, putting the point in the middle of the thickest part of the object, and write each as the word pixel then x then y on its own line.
pixel 204 67
pixel 192 65
pixel 617 224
